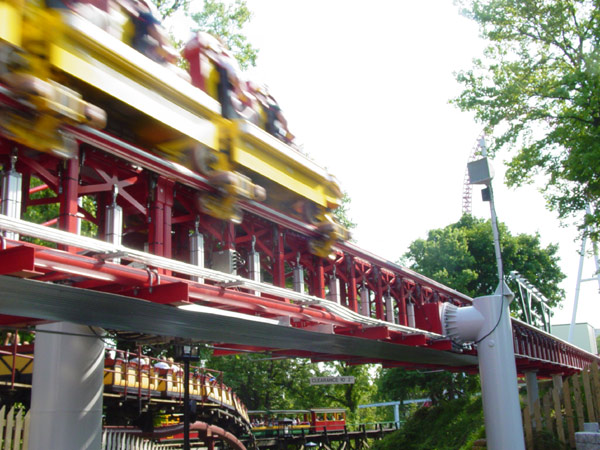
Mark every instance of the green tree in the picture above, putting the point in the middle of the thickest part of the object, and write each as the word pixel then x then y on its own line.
pixel 462 257
pixel 227 21
pixel 223 19
pixel 265 381
pixel 399 385
pixel 342 213
pixel 537 87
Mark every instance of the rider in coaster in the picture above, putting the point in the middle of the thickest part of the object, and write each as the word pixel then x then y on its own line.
pixel 149 37
pixel 214 69
pixel 272 119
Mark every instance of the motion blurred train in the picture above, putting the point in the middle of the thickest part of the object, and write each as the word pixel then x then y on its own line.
pixel 107 65
pixel 297 421
pixel 131 380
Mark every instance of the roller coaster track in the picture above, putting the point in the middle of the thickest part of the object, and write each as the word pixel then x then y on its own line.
pixel 266 290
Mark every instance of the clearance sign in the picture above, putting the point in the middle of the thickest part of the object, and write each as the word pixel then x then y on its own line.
pixel 331 380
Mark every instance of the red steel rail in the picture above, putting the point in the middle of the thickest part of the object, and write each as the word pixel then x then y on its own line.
pixel 368 297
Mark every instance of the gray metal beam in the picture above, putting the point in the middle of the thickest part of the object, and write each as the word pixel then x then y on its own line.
pixel 47 301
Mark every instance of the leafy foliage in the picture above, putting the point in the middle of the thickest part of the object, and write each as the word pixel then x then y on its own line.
pixel 265 382
pixel 538 87
pixel 462 257
pixel 449 426
pixel 226 21
pixel 439 386
pixel 45 212
pixel 223 19
pixel 342 213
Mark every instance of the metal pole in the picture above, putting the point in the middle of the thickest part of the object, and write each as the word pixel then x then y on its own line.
pixel 595 247
pixel 10 202
pixel 579 273
pixel 496 234
pixel 186 404
pixel 197 249
pixel 497 368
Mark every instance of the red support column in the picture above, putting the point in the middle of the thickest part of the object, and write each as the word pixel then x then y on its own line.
pixel 402 317
pixel 159 230
pixel 156 225
pixel 69 184
pixel 319 281
pixel 279 258
pixel 352 303
pixel 166 190
pixel 210 443
pixel 229 236
pixel 379 297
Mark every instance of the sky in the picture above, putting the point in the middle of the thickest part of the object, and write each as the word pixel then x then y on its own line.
pixel 365 87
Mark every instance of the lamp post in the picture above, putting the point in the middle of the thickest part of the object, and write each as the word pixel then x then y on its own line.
pixel 487 324
pixel 186 353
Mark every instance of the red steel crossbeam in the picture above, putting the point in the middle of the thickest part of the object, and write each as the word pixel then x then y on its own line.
pixel 159 202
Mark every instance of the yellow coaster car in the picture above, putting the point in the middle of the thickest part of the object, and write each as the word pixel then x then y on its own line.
pixel 66 66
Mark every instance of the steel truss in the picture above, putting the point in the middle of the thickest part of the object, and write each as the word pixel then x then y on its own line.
pixel 262 267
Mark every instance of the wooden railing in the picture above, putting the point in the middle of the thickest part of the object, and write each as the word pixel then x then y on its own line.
pixel 563 410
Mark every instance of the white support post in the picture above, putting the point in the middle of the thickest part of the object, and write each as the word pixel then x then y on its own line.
pixel 298 274
pixel 410 312
pixel 11 195
pixel 66 396
pixel 254 264
pixel 114 222
pixel 334 289
pixel 487 323
pixel 365 306
pixel 197 250
pixel 389 309
pixel 498 372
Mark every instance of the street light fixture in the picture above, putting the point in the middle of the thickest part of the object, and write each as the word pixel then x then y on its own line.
pixel 186 353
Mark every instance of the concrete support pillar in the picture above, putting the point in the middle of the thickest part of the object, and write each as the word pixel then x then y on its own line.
pixel 66 396
pixel 11 195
